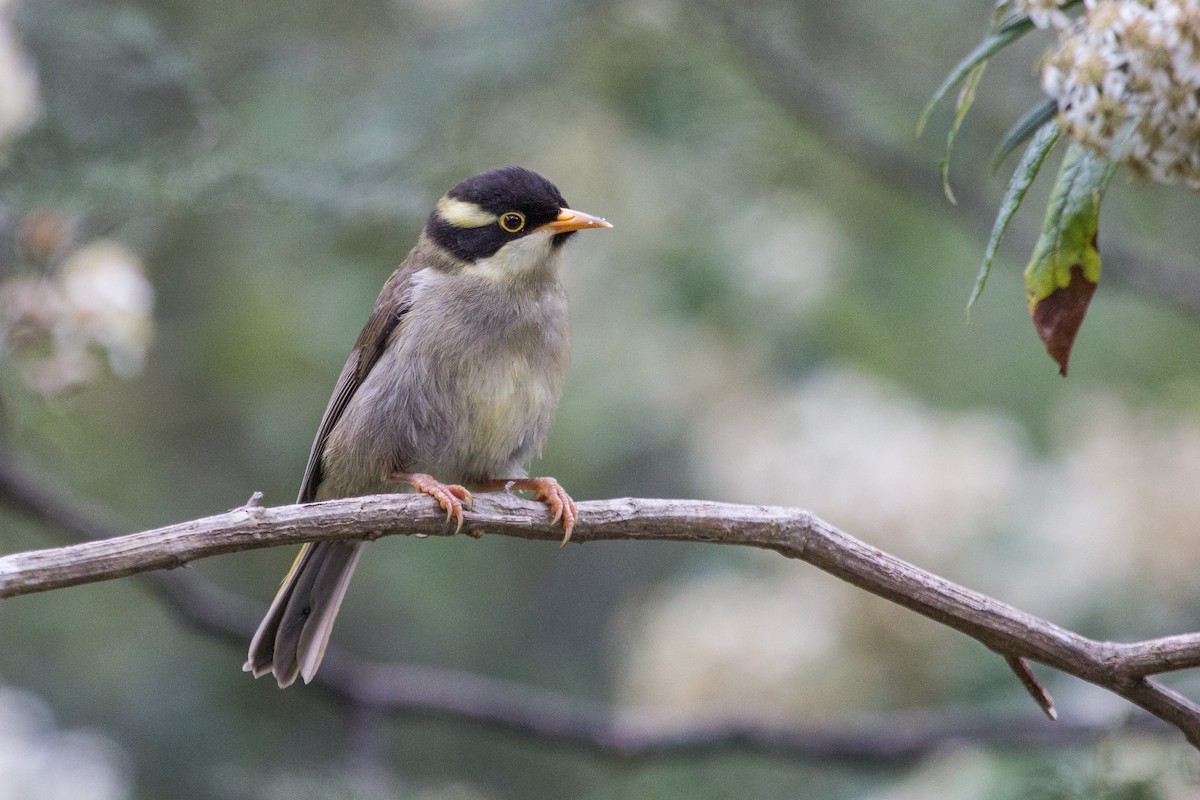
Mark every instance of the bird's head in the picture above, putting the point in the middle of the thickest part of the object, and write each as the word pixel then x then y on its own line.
pixel 509 221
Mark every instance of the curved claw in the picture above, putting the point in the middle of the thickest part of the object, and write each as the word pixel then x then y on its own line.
pixel 551 492
pixel 450 496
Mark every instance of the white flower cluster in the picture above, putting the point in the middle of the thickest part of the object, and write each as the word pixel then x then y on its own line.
pixel 41 761
pixel 960 493
pixel 1044 13
pixel 1126 75
pixel 97 305
pixel 19 100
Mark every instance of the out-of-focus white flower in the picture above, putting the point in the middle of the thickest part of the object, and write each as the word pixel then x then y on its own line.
pixel 783 639
pixel 961 773
pixel 41 762
pixel 1121 505
pixel 96 305
pixel 29 306
pixel 1126 76
pixel 1111 515
pixel 784 253
pixel 109 302
pixel 733 643
pixel 865 456
pixel 19 101
pixel 1044 13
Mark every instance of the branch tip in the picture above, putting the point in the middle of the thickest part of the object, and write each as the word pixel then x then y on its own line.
pixel 791 532
pixel 254 502
pixel 1037 691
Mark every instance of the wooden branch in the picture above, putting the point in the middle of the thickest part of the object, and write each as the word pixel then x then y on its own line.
pixel 369 688
pixel 1120 668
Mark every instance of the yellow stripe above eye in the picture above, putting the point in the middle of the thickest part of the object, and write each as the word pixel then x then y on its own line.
pixel 462 214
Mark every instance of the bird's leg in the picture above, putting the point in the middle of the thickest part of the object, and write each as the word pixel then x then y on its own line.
pixel 450 496
pixel 545 490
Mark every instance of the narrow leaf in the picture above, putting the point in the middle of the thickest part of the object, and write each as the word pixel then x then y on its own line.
pixel 966 97
pixel 1024 128
pixel 992 43
pixel 1062 275
pixel 1031 164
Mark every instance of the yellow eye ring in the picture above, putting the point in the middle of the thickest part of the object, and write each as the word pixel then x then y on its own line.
pixel 512 221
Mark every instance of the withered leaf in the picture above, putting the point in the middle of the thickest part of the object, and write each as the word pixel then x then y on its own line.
pixel 1058 316
pixel 1061 277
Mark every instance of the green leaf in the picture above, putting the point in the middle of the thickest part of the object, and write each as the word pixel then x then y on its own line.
pixel 1062 275
pixel 995 41
pixel 1022 178
pixel 1025 127
pixel 1072 218
pixel 966 97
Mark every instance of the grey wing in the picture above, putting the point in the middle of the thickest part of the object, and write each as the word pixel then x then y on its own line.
pixel 390 308
pixel 347 382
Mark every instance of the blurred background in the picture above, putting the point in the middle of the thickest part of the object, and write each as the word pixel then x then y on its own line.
pixel 199 200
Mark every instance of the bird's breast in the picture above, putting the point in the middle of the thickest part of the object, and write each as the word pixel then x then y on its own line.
pixel 468 386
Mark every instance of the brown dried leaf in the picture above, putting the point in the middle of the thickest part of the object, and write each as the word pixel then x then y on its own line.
pixel 1058 316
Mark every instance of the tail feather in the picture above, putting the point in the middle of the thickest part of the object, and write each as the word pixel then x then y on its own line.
pixel 291 639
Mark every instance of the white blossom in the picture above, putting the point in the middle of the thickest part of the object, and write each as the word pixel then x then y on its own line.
pixel 60 328
pixel 109 303
pixel 1126 77
pixel 1044 13
pixel 40 761
pixel 1068 533
pixel 20 104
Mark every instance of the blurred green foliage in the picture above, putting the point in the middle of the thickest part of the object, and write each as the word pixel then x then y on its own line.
pixel 271 162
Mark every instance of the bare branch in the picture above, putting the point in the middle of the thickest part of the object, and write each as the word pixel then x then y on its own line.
pixel 1121 668
pixel 372 688
pixel 1037 691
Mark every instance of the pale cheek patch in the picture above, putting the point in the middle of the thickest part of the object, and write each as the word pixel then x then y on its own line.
pixel 462 214
pixel 519 258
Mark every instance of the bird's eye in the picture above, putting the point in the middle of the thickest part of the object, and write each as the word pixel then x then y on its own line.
pixel 512 221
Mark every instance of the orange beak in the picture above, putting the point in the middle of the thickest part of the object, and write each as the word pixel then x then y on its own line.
pixel 572 220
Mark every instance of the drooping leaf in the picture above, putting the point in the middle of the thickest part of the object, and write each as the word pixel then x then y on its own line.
pixel 1024 128
pixel 1058 317
pixel 1062 275
pixel 1031 164
pixel 996 40
pixel 966 98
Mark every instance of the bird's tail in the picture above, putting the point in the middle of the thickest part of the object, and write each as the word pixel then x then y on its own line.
pixel 291 639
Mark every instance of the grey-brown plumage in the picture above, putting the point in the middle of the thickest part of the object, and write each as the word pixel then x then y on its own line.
pixel 454 379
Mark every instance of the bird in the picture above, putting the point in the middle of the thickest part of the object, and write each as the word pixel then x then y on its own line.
pixel 451 387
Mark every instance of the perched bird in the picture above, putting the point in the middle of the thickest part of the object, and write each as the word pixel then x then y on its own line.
pixel 451 386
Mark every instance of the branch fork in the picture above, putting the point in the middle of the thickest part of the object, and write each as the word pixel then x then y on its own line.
pixel 1122 668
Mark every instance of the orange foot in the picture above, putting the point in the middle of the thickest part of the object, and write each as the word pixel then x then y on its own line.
pixel 450 496
pixel 550 492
